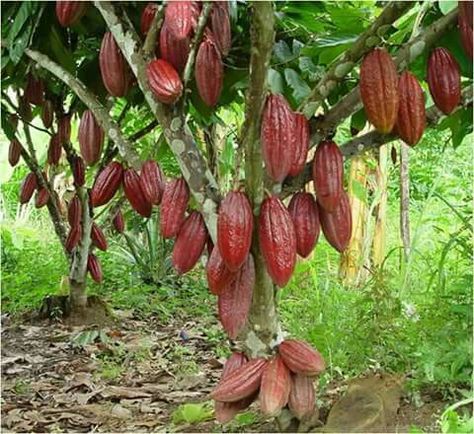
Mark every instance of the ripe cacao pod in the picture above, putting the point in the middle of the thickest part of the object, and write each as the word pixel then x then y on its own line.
pixel 337 225
pixel 98 237
pixel 241 383
pixel 94 268
pixel 147 17
pixel 74 212
pixel 114 69
pixel 234 229
pixel 444 80
pixel 328 172
pixel 173 206
pixel 411 118
pixel 78 171
pixel 42 197
pixel 107 183
pixel 47 113
pixel 220 25
pixel 54 150
pixel 134 193
pixel 218 275
pixel 465 26
pixel 190 243
pixel 91 138
pixel 34 91
pixel 301 144
pixel 301 400
pixel 151 179
pixel 175 51
pixel 274 387
pixel 277 137
pixel 181 17
pixel 28 187
pixel 379 89
pixel 209 72
pixel 64 129
pixel 73 238
pixel 304 213
pixel 119 222
pixel 164 81
pixel 70 12
pixel 300 358
pixel 235 299
pixel 14 152
pixel 277 240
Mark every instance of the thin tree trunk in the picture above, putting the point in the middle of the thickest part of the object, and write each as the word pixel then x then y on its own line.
pixel 405 200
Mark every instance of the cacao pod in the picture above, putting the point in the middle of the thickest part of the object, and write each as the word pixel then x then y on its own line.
pixel 151 179
pixel 379 89
pixel 94 268
pixel 328 172
pixel 64 129
pixel 277 237
pixel 218 275
pixel 42 197
pixel 190 243
pixel 147 17
pixel 74 212
pixel 54 150
pixel 274 387
pixel 78 171
pixel 337 225
pixel 164 81
pixel 173 206
pixel 277 137
pixel 91 138
pixel 73 238
pixel 98 237
pixel 174 51
pixel 465 26
pixel 34 91
pixel 301 144
pixel 234 229
pixel 70 12
pixel 411 118
pixel 181 17
pixel 209 72
pixel 106 184
pixel 119 222
pixel 220 25
pixel 14 152
pixel 134 193
pixel 24 109
pixel 444 80
pixel 235 299
pixel 28 187
pixel 300 358
pixel 241 383
pixel 301 400
pixel 47 113
pixel 304 213
pixel 114 69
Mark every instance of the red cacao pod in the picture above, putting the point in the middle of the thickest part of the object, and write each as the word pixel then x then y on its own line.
pixel 107 183
pixel 209 72
pixel 411 118
pixel 42 197
pixel 73 238
pixel 134 193
pixel 302 398
pixel 98 237
pixel 14 152
pixel 328 172
pixel 444 80
pixel 114 69
pixel 304 213
pixel 173 206
pixel 220 25
pixel 164 81
pixel 274 387
pixel 69 13
pixel 54 150
pixel 34 91
pixel 300 358
pixel 337 225
pixel 234 229
pixel 94 268
pixel 277 137
pixel 175 51
pixel 190 243
pixel 379 89
pixel 74 212
pixel 119 222
pixel 47 113
pixel 218 275
pixel 64 129
pixel 147 17
pixel 301 141
pixel 181 17
pixel 151 179
pixel 235 299
pixel 28 187
pixel 91 138
pixel 241 383
pixel 277 237
pixel 78 171
pixel 465 26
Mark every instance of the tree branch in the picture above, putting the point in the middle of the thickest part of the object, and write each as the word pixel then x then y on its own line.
pixel 149 45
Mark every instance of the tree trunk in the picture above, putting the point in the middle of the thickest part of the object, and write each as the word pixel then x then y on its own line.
pixel 405 200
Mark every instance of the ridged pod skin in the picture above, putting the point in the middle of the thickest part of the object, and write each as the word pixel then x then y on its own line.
pixel 64 129
pixel 379 89
pixel 54 150
pixel 304 213
pixel 34 91
pixel 274 387
pixel 98 237
pixel 235 299
pixel 337 226
pixel 73 238
pixel 277 137
pixel 78 171
pixel 173 206
pixel 114 69
pixel 107 183
pixel 190 243
pixel 119 222
pixel 218 275
pixel 151 178
pixel 241 383
pixel 301 145
pixel 209 72
pixel 277 240
pixel 28 187
pixel 411 120
pixel 328 173
pixel 91 138
pixel 302 397
pixel 134 193
pixel 220 25
pixel 465 26
pixel 175 51
pixel 147 17
pixel 74 212
pixel 181 17
pixel 47 113
pixel 234 229
pixel 444 80
pixel 42 197
pixel 300 358
pixel 164 81
pixel 94 268
pixel 14 152
pixel 69 13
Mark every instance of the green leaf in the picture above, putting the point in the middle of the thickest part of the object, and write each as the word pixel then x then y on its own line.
pixel 275 81
pixel 7 126
pixel 283 52
pixel 358 120
pixel 358 190
pixel 447 6
pixel 300 88
pixel 192 413
pixel 61 54
pixel 460 124
pixel 17 46
pixel 26 10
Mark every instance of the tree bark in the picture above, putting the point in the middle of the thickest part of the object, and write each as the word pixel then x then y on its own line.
pixel 405 200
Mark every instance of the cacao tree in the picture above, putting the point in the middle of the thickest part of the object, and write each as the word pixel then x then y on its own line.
pixel 299 84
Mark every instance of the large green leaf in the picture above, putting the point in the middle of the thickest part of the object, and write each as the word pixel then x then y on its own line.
pixel 27 9
pixel 300 88
pixel 275 81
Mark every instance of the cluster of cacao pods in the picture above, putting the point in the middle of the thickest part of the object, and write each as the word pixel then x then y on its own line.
pixel 29 185
pixel 285 379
